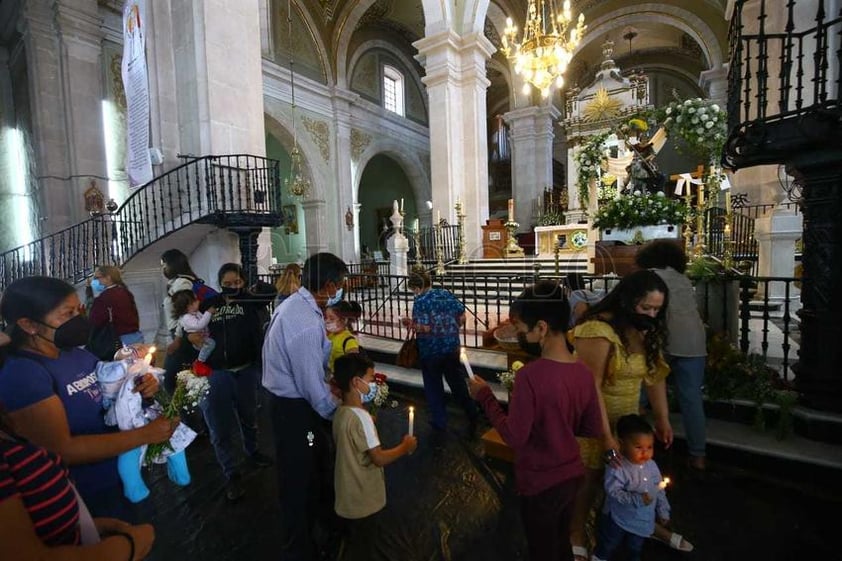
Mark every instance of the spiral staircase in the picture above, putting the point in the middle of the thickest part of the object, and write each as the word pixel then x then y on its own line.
pixel 241 193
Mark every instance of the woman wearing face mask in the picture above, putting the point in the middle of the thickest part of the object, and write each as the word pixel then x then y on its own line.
pixel 338 320
pixel 621 340
pixel 49 387
pixel 231 406
pixel 553 401
pixel 113 303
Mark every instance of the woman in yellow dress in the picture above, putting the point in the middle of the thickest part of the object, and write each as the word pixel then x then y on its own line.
pixel 621 339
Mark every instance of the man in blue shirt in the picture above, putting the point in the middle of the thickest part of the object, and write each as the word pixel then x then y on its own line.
pixel 295 352
pixel 437 317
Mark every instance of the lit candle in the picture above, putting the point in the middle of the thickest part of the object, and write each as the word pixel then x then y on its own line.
pixel 150 356
pixel 411 420
pixel 463 356
pixel 663 484
pixel 511 210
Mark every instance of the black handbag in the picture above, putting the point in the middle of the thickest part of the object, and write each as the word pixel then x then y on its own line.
pixel 103 341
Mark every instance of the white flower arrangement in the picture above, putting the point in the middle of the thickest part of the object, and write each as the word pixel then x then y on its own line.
pixel 507 378
pixel 699 124
pixel 195 389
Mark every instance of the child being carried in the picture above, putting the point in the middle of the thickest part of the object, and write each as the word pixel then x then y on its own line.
pixel 185 308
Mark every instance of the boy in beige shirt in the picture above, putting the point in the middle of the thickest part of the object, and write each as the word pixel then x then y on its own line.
pixel 358 478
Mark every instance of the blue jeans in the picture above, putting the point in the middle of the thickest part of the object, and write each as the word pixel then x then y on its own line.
pixel 448 365
pixel 232 402
pixel 610 537
pixel 688 374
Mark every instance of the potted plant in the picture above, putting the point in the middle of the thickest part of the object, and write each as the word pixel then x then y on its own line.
pixel 743 388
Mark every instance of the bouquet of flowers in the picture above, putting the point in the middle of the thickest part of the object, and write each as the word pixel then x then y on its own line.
pixel 190 391
pixel 381 398
pixel 589 160
pixel 640 210
pixel 507 378
pixel 700 124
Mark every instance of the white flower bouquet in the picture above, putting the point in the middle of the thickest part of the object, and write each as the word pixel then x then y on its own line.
pixel 507 378
pixel 699 124
pixel 190 391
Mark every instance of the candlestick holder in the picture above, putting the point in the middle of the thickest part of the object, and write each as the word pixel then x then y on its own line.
pixel 512 247
pixel 460 221
pixel 728 242
pixel 688 226
pixel 440 270
pixel 416 237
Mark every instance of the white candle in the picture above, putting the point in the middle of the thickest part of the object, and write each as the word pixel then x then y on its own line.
pixel 415 227
pixel 728 201
pixel 438 217
pixel 150 356
pixel 511 210
pixel 463 356
pixel 664 482
pixel 401 205
pixel 411 420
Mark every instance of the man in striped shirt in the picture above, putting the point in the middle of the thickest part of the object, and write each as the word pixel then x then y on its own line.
pixel 295 353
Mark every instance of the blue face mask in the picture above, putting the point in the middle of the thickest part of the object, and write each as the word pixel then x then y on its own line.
pixel 372 393
pixel 97 287
pixel 336 298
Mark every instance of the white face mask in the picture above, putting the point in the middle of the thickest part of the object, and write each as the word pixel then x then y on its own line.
pixel 333 326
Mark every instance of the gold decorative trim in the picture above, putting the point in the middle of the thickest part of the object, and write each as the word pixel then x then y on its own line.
pixel 320 133
pixel 359 142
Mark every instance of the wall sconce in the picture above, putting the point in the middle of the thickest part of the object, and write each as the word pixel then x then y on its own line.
pixel 349 219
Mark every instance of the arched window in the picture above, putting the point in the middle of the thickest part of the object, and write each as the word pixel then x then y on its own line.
pixel 393 90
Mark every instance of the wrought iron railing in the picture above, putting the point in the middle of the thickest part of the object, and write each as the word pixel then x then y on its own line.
pixel 428 239
pixel 744 246
pixel 224 190
pixel 779 72
pixel 758 313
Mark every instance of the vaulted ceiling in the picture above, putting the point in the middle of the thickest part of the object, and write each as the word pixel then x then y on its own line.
pixel 686 36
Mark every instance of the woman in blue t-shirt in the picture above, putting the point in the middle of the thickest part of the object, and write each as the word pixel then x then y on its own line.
pixel 49 387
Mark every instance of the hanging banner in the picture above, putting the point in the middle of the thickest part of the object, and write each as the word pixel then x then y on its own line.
pixel 136 85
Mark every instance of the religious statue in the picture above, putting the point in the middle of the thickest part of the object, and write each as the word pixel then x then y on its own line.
pixel 643 172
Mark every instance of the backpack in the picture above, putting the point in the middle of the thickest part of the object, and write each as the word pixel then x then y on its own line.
pixel 202 291
pixel 360 348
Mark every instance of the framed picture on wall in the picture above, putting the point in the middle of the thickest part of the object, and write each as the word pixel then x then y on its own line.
pixel 290 213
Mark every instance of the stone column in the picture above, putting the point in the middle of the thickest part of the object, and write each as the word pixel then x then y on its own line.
pixel 315 241
pixel 532 157
pixel 776 234
pixel 818 376
pixel 355 208
pixel 219 77
pixel 714 82
pixel 343 171
pixel 62 43
pixel 456 84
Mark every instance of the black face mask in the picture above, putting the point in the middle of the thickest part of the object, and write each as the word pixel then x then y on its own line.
pixel 230 290
pixel 75 332
pixel 528 347
pixel 643 322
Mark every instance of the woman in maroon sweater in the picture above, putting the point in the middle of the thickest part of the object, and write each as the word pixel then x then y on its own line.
pixel 554 400
pixel 113 302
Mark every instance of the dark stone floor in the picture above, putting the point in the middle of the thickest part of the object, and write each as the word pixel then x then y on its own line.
pixel 447 502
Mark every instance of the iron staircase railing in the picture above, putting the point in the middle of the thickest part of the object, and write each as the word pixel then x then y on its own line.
pixel 767 105
pixel 226 190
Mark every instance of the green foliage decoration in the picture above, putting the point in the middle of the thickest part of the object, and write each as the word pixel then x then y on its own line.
pixel 640 209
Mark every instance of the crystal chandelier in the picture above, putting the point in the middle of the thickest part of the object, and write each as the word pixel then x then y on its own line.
pixel 296 183
pixel 544 51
